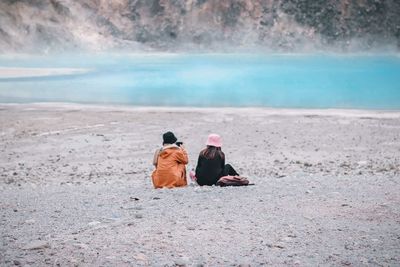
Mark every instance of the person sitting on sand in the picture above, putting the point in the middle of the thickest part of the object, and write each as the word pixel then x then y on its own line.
pixel 211 163
pixel 170 161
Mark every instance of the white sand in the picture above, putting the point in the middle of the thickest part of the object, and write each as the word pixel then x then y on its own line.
pixel 75 184
pixel 9 72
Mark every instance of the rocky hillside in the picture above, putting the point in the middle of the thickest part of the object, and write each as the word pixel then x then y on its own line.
pixel 198 25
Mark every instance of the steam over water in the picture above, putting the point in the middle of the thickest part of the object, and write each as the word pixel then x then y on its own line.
pixel 290 81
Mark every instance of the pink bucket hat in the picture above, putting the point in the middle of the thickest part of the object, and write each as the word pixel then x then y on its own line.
pixel 214 140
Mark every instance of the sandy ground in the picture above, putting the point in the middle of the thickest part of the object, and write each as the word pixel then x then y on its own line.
pixel 9 72
pixel 76 191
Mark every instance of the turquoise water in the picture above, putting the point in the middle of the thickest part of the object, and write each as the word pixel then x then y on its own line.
pixel 288 81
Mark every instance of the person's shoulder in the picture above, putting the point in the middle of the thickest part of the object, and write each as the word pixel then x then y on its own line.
pixel 157 151
pixel 201 154
pixel 172 146
pixel 175 150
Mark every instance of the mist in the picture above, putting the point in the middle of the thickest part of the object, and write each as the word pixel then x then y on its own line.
pixel 126 26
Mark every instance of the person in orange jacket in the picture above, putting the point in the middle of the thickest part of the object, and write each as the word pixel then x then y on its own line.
pixel 170 161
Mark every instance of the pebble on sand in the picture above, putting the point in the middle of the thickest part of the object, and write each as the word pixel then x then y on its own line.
pixel 37 244
pixel 94 223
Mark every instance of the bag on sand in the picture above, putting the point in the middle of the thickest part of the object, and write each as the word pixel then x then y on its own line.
pixel 230 180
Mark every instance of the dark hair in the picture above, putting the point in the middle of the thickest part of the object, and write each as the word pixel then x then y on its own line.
pixel 211 152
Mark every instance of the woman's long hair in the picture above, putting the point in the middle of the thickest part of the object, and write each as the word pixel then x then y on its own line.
pixel 210 152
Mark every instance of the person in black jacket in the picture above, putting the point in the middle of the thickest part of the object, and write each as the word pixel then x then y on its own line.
pixel 211 163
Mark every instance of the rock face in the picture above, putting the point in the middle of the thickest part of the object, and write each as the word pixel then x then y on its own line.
pixel 193 25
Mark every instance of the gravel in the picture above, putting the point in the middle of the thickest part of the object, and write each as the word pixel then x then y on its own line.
pixel 76 189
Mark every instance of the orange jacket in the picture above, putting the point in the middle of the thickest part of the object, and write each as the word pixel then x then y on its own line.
pixel 170 168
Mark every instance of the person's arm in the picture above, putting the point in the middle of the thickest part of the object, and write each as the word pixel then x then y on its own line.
pixel 181 156
pixel 155 158
pixel 199 163
pixel 223 161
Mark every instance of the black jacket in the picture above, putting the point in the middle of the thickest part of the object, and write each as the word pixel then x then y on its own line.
pixel 208 171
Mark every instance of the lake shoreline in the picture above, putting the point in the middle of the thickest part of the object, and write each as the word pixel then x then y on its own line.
pixel 343 112
pixel 17 72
